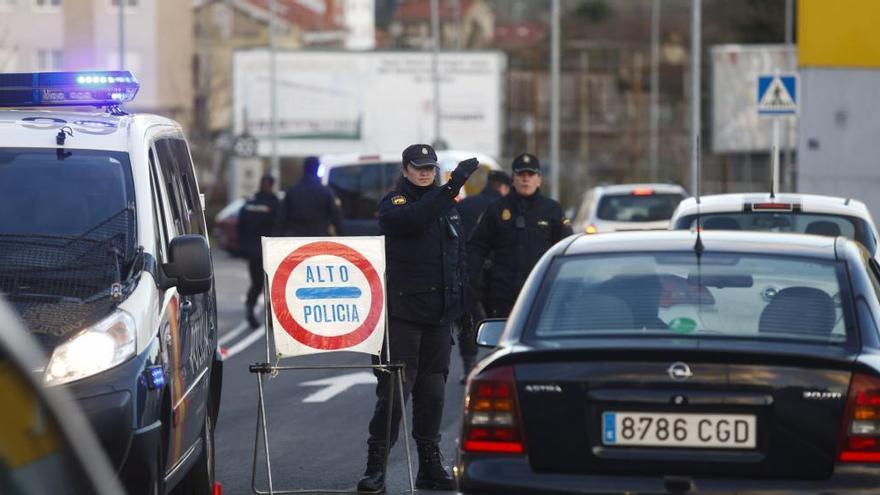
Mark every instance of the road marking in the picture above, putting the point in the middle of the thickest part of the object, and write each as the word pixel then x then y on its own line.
pixel 335 385
pixel 235 332
pixel 244 343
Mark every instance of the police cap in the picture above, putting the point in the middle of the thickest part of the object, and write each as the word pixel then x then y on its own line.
pixel 526 163
pixel 419 155
pixel 498 177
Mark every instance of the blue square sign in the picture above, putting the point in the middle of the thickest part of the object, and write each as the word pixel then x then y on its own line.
pixel 777 94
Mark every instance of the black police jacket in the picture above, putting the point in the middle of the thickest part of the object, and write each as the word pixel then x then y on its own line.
pixel 472 207
pixel 256 219
pixel 513 234
pixel 424 253
pixel 308 210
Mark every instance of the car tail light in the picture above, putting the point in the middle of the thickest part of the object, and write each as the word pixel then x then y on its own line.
pixel 860 432
pixel 772 207
pixel 491 415
pixel 643 191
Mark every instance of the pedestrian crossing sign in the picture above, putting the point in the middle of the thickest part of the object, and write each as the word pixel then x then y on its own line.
pixel 777 94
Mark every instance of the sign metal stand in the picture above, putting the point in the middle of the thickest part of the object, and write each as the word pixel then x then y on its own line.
pixel 260 369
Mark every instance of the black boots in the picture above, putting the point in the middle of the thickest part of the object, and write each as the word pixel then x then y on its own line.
pixel 432 474
pixel 374 476
pixel 249 314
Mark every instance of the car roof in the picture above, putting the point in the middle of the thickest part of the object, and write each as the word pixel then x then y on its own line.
pixel 658 187
pixel 813 246
pixel 809 203
pixel 36 128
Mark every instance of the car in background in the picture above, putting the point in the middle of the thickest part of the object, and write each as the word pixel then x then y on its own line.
pixel 622 207
pixel 226 226
pixel 46 444
pixel 762 377
pixel 786 212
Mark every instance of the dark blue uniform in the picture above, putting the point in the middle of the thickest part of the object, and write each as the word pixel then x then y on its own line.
pixel 513 234
pixel 256 219
pixel 472 207
pixel 426 270
pixel 309 208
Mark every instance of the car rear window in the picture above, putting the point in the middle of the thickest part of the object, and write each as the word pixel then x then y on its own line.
pixel 796 222
pixel 637 208
pixel 360 187
pixel 677 295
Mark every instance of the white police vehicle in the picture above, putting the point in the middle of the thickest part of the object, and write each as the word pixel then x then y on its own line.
pixel 781 212
pixel 103 253
pixel 621 207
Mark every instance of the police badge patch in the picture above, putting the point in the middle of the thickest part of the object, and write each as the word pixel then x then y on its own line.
pixel 505 215
pixel 398 200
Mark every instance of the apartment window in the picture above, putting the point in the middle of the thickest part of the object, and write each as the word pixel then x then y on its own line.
pixel 47 4
pixel 8 5
pixel 50 59
pixel 128 3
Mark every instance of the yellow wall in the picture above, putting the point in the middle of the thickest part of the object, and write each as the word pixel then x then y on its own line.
pixel 838 33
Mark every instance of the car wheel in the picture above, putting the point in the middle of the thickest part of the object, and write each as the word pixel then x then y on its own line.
pixel 200 479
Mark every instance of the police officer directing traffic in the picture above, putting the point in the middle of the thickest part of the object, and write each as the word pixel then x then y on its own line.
pixel 426 273
pixel 513 234
pixel 309 207
pixel 256 219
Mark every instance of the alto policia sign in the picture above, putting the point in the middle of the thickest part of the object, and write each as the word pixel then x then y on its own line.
pixel 326 294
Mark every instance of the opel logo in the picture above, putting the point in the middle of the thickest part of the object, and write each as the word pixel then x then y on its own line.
pixel 679 371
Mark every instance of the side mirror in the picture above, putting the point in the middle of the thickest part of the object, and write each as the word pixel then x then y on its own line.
pixel 489 332
pixel 189 267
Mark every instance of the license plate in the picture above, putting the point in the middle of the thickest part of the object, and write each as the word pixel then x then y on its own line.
pixel 690 430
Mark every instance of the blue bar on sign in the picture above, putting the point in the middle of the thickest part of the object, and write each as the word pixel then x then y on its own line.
pixel 608 423
pixel 328 293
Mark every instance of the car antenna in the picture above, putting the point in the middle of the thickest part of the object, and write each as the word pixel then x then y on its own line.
pixel 60 138
pixel 698 246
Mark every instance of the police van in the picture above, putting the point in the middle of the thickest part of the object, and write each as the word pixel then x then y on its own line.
pixel 104 255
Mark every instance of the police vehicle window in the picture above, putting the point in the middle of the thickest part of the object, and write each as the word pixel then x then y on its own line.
pixel 724 296
pixel 173 187
pixel 361 187
pixel 637 208
pixel 160 221
pixel 829 225
pixel 189 185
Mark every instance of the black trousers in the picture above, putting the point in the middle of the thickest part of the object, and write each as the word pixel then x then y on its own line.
pixel 467 342
pixel 425 351
pixel 255 268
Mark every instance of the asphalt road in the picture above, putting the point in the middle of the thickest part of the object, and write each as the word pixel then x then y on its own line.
pixel 313 444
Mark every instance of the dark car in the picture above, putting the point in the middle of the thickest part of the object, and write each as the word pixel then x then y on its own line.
pixel 663 362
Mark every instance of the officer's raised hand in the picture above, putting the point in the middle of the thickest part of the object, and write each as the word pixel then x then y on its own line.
pixel 462 172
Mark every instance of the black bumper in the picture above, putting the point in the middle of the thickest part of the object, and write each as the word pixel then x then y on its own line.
pixel 513 475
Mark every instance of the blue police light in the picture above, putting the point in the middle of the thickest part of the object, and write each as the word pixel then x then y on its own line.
pixel 92 88
pixel 155 377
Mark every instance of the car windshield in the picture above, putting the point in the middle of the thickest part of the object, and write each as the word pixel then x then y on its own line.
pixel 672 294
pixel 796 222
pixel 637 208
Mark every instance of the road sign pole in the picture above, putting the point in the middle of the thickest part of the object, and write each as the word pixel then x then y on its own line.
pixel 775 158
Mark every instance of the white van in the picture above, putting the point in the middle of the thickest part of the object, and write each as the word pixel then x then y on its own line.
pixel 104 255
pixel 361 181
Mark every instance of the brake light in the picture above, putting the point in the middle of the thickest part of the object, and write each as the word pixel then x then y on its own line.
pixel 860 432
pixel 772 207
pixel 491 416
pixel 643 191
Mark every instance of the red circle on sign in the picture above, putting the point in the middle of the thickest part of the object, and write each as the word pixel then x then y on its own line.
pixel 297 331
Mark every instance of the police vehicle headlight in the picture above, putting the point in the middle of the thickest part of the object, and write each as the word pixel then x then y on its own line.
pixel 93 350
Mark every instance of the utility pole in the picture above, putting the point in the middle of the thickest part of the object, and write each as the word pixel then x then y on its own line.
pixel 695 92
pixel 554 103
pixel 121 34
pixel 273 97
pixel 788 155
pixel 653 144
pixel 435 66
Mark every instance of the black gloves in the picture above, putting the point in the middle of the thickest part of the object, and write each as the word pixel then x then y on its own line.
pixel 462 172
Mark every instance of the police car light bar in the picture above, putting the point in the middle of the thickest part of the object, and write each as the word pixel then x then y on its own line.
pixel 92 88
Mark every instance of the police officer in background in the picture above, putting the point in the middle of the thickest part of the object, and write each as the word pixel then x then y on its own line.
pixel 471 207
pixel 426 273
pixel 309 207
pixel 513 234
pixel 256 219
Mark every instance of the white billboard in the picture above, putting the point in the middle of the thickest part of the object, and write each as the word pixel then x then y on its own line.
pixel 736 125
pixel 353 102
